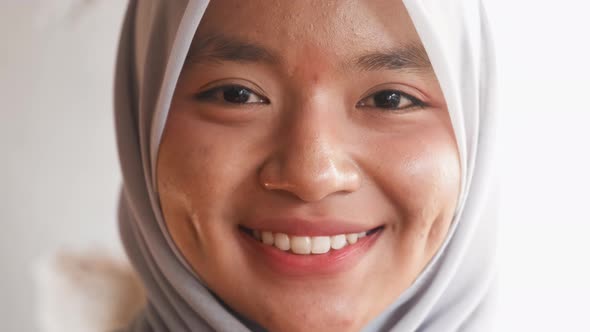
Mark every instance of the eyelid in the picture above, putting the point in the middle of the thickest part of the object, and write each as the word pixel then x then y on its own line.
pixel 403 88
pixel 207 94
pixel 416 102
pixel 412 93
pixel 211 91
pixel 233 81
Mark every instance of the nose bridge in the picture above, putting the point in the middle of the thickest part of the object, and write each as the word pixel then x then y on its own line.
pixel 311 161
pixel 311 147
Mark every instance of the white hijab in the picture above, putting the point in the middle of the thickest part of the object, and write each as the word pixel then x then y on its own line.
pixel 454 292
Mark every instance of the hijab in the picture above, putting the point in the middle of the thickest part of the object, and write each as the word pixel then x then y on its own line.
pixel 454 291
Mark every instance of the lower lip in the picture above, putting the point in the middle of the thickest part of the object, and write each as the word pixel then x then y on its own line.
pixel 288 264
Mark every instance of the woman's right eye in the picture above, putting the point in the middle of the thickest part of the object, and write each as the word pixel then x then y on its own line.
pixel 232 94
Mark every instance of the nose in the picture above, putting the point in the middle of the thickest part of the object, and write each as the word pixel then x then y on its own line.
pixel 311 162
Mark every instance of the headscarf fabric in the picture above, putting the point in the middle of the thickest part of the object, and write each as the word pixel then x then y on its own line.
pixel 455 290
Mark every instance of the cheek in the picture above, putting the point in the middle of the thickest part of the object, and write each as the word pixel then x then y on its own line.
pixel 193 163
pixel 421 178
pixel 195 179
pixel 431 181
pixel 180 169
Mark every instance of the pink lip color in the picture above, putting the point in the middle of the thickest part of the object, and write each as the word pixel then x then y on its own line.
pixel 292 265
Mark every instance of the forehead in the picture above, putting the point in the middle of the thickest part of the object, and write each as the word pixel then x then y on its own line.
pixel 340 27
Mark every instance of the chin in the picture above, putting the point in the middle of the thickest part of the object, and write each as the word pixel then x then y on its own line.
pixel 314 313
pixel 280 300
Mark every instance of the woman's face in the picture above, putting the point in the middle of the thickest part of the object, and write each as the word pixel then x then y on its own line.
pixel 306 124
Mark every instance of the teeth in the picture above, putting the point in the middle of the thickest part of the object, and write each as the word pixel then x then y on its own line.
pixel 338 241
pixel 267 238
pixel 305 245
pixel 301 245
pixel 352 238
pixel 282 241
pixel 320 244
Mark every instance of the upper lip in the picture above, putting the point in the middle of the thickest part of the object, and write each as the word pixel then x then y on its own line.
pixel 308 226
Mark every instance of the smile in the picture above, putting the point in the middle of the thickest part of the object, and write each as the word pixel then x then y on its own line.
pixel 308 245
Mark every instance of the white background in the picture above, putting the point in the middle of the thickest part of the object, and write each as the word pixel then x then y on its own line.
pixel 59 174
pixel 544 57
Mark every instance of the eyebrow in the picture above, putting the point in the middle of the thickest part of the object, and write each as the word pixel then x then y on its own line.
pixel 220 48
pixel 406 57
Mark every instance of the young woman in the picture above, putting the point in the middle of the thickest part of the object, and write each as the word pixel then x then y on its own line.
pixel 307 165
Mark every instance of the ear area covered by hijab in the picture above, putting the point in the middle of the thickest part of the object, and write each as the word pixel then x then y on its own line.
pixel 454 292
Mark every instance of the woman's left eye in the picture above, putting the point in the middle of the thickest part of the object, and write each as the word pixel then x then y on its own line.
pixel 232 94
pixel 391 100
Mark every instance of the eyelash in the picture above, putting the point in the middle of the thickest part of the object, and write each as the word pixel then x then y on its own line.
pixel 414 102
pixel 214 95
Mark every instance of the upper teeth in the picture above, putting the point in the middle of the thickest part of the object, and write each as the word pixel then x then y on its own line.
pixel 305 245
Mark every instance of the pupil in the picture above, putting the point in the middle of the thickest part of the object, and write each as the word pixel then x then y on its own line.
pixel 389 99
pixel 236 95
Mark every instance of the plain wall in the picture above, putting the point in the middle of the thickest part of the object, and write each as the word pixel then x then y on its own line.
pixel 59 176
pixel 544 247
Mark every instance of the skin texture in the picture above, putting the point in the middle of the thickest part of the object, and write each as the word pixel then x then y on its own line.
pixel 317 148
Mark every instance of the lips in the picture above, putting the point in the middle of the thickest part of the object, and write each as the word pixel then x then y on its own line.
pixel 307 245
pixel 300 248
